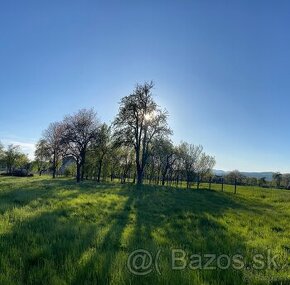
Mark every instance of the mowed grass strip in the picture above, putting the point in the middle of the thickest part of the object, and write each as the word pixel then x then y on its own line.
pixel 60 232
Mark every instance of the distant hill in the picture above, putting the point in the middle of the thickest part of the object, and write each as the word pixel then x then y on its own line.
pixel 267 175
pixel 220 172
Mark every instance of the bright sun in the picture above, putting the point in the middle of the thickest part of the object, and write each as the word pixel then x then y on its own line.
pixel 149 116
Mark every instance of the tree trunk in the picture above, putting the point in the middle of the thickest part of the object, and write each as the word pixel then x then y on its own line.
pixel 83 161
pixel 139 172
pixel 100 171
pixel 139 176
pixel 78 172
pixel 54 165
pixel 164 174
pixel 187 180
pixel 54 172
pixel 235 186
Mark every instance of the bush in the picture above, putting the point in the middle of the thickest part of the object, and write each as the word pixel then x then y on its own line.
pixel 70 170
pixel 18 173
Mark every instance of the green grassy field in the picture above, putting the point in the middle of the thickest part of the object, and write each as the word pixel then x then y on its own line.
pixel 58 232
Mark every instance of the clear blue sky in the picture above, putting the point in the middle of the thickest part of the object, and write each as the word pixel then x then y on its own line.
pixel 221 69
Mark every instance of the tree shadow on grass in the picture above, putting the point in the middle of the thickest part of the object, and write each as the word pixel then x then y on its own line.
pixel 163 219
pixel 18 195
pixel 90 243
pixel 99 268
pixel 159 219
pixel 67 245
pixel 169 219
pixel 41 249
pixel 50 247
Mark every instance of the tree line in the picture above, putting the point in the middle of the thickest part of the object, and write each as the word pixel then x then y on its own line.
pixel 13 160
pixel 136 146
pixel 279 180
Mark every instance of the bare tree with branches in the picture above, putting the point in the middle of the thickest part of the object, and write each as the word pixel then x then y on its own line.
pixel 139 121
pixel 53 136
pixel 190 155
pixel 204 167
pixel 80 131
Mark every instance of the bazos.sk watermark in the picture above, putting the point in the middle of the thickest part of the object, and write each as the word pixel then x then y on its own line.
pixel 144 262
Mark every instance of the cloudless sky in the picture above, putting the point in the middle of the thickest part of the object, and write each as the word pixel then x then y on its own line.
pixel 221 69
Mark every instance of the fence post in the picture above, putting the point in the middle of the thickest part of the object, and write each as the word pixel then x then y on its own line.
pixel 235 186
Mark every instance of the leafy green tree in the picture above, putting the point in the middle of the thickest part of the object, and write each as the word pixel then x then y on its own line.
pixel 235 178
pixel 42 155
pixel 204 168
pixel 70 170
pixel 277 177
pixel 113 161
pixel 163 153
pixel 101 148
pixel 1 150
pixel 190 155
pixel 22 162
pixel 253 181
pixel 286 180
pixel 97 154
pixel 126 162
pixel 2 153
pixel 10 157
pixel 262 181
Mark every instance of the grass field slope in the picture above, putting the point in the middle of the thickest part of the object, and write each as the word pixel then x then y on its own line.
pixel 60 232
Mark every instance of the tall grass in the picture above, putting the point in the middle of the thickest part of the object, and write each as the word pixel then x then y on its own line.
pixel 60 232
